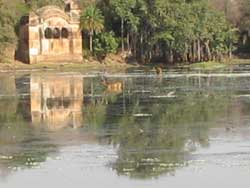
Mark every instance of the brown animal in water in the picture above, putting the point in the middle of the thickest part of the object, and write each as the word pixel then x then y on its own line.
pixel 158 70
pixel 112 87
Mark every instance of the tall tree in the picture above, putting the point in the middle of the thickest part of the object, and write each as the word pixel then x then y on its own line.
pixel 92 21
pixel 10 13
pixel 123 8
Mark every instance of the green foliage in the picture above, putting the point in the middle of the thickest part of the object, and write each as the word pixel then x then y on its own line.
pixel 245 21
pixel 210 65
pixel 124 10
pixel 10 13
pixel 34 4
pixel 92 21
pixel 186 30
pixel 105 43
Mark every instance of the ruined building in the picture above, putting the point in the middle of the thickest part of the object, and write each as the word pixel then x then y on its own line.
pixel 51 34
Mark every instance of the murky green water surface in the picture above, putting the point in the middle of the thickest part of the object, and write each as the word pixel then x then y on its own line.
pixel 133 129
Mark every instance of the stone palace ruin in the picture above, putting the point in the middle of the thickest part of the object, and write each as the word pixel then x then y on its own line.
pixel 51 34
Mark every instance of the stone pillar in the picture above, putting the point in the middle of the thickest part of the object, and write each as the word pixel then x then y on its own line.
pixel 77 41
pixel 34 39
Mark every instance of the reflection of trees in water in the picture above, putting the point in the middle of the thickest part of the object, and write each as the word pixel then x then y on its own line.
pixel 151 146
pixel 7 85
pixel 145 151
pixel 98 99
pixel 21 145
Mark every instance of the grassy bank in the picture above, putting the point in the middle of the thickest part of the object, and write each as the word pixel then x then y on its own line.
pixel 238 61
pixel 79 67
pixel 210 65
pixel 112 62
pixel 113 66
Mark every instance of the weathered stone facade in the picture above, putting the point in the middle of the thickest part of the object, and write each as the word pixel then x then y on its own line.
pixel 51 34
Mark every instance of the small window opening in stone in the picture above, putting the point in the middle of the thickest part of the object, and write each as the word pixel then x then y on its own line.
pixel 65 33
pixel 67 7
pixel 56 33
pixel 48 33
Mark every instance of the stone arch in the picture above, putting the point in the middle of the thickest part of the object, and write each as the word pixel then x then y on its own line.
pixel 56 33
pixel 48 33
pixel 65 33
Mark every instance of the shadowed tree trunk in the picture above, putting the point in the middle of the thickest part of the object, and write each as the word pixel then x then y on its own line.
pixel 171 57
pixel 122 33
pixel 208 51
pixel 230 51
pixel 194 51
pixel 198 50
pixel 142 48
pixel 91 41
pixel 128 41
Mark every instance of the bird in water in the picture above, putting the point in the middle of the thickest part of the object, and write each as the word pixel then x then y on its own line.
pixel 171 94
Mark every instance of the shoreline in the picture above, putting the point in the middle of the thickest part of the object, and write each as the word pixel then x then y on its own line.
pixel 114 62
pixel 65 67
pixel 17 66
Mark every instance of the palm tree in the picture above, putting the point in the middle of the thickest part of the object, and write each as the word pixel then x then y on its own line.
pixel 92 21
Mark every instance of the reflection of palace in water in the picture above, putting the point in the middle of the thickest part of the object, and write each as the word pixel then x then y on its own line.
pixel 56 101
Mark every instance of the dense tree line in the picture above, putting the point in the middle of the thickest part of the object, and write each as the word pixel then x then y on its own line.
pixel 170 30
pixel 151 30
pixel 237 13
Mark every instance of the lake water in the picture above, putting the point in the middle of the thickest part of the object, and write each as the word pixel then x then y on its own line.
pixel 128 130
